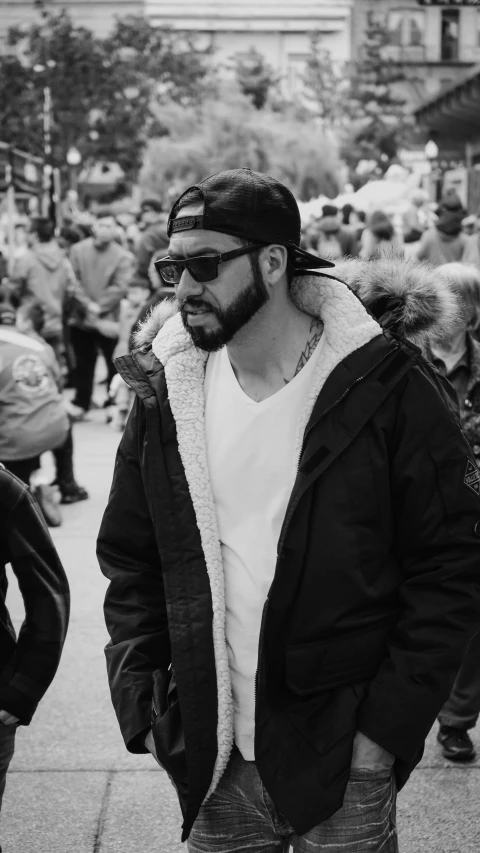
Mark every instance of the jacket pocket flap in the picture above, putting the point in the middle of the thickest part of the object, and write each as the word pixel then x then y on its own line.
pixel 325 664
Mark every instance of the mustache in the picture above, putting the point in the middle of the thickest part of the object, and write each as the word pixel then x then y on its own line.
pixel 194 305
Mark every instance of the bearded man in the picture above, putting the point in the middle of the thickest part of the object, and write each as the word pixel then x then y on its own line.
pixel 291 538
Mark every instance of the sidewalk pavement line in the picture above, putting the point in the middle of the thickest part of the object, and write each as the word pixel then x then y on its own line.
pixel 86 770
pixel 97 843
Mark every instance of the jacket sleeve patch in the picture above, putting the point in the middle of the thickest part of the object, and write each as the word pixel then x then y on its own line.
pixel 472 477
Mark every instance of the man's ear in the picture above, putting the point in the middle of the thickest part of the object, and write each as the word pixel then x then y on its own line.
pixel 274 263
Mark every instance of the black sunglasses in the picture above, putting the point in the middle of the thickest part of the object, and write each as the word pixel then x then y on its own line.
pixel 202 269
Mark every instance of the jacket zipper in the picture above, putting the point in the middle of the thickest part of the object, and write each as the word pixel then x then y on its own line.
pixel 307 432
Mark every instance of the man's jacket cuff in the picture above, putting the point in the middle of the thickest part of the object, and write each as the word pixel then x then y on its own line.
pixel 18 704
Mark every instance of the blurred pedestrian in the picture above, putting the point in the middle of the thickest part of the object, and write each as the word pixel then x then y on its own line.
pixel 458 358
pixel 299 476
pixel 470 225
pixel 33 417
pixel 158 293
pixel 120 393
pixel 68 236
pixel 27 664
pixel 471 254
pixel 445 242
pixel 21 240
pixel 43 274
pixel 347 211
pixel 415 218
pixel 379 237
pixel 334 239
pixel 358 223
pixel 153 241
pixel 103 268
pixel 29 321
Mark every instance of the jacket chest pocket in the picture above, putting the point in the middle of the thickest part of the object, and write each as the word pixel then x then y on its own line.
pixel 326 664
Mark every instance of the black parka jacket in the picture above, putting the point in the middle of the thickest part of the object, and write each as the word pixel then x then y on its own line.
pixel 376 591
pixel 28 663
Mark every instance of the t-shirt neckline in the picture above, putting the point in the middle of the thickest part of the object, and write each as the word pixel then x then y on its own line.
pixel 283 393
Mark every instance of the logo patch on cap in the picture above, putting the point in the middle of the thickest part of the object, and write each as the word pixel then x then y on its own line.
pixel 186 223
pixel 472 477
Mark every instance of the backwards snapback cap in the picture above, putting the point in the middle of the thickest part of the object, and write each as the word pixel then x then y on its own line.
pixel 249 205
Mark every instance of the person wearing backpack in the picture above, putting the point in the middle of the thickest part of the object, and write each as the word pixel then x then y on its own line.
pixel 33 416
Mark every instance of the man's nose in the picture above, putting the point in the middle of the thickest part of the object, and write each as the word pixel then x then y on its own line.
pixel 187 287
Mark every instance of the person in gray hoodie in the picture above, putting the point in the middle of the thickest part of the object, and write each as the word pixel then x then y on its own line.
pixel 43 274
pixel 104 270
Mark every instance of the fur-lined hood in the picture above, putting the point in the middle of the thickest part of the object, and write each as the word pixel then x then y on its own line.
pixel 404 295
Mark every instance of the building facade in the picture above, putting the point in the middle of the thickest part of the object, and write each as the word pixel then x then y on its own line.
pixel 278 29
pixel 436 42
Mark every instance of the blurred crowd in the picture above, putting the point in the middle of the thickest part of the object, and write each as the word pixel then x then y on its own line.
pixel 438 234
pixel 70 295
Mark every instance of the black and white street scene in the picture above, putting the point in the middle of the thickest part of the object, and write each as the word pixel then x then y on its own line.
pixel 239 426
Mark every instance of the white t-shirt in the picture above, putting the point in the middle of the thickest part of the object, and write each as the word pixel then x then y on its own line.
pixel 251 451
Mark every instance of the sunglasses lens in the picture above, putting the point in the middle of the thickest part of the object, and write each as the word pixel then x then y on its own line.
pixel 203 269
pixel 171 273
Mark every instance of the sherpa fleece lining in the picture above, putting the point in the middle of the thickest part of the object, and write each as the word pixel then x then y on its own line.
pixel 347 327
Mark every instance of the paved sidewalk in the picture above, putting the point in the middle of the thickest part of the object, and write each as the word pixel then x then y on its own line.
pixel 73 788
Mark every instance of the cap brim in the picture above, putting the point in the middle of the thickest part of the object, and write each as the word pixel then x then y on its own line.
pixel 305 261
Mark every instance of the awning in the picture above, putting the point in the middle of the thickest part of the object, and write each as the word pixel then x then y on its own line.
pixel 455 114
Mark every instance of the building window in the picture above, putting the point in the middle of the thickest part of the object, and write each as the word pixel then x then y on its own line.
pixel 395 26
pixel 450 28
pixel 416 29
pixel 407 27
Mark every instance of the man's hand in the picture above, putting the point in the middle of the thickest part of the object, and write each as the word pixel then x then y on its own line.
pixel 8 719
pixel 150 744
pixel 368 755
pixel 94 308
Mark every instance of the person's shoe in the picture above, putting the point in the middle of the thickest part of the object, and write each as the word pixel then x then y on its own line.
pixel 76 413
pixel 73 493
pixel 48 500
pixel 457 744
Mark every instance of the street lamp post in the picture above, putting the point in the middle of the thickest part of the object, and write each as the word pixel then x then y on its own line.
pixel 47 199
pixel 431 153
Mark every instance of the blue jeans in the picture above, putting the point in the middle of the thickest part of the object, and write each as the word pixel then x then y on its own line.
pixel 240 816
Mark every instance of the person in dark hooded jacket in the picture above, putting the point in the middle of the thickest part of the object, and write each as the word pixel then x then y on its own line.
pixel 29 661
pixel 444 243
pixel 285 660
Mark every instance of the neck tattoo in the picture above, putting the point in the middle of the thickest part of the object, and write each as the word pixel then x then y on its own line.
pixel 316 331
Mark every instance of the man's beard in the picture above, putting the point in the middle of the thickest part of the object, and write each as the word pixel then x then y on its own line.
pixel 245 305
